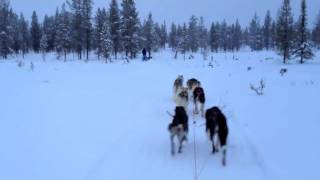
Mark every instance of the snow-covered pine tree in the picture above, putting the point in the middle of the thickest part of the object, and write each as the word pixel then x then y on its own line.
pixel 203 35
pixel 229 34
pixel 5 26
pixel 173 37
pixel 76 26
pixel 115 27
pixel 101 19
pixel 23 35
pixel 246 37
pixel 267 31
pixel 236 39
pixel 14 31
pixel 183 40
pixel 130 28
pixel 316 32
pixel 44 46
pixel 303 48
pixel 86 25
pixel 193 34
pixel 106 40
pixel 255 34
pixel 273 34
pixel 163 35
pixel 285 31
pixel 214 37
pixel 63 42
pixel 157 37
pixel 35 32
pixel 49 28
pixel 149 35
pixel 223 40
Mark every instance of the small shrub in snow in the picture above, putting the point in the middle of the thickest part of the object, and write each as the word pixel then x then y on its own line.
pixel 20 64
pixel 191 56
pixel 283 71
pixel 249 68
pixel 31 66
pixel 260 88
pixel 211 64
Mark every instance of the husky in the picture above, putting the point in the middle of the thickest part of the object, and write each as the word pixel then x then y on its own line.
pixel 199 98
pixel 217 130
pixel 182 98
pixel 178 84
pixel 178 128
pixel 192 84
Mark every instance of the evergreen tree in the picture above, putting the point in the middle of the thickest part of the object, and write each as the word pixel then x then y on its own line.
pixel 193 34
pixel 246 37
pixel 255 34
pixel 76 26
pixel 44 46
pixel 35 33
pixel 183 40
pixel 285 30
pixel 273 35
pixel 14 31
pixel 303 48
pixel 214 37
pixel 115 27
pixel 5 36
pixel 101 19
pixel 267 31
pixel 130 28
pixel 63 42
pixel 106 40
pixel 316 32
pixel 203 35
pixel 223 40
pixel 157 37
pixel 49 29
pixel 173 37
pixel 149 34
pixel 163 35
pixel 86 25
pixel 236 39
pixel 23 35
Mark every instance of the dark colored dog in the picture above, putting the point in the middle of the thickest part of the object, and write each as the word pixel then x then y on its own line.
pixel 217 128
pixel 179 127
pixel 199 97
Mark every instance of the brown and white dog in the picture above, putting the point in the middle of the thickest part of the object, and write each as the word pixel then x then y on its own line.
pixel 182 98
pixel 192 84
pixel 198 95
pixel 178 128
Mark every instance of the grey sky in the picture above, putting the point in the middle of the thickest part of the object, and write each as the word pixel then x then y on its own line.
pixel 180 10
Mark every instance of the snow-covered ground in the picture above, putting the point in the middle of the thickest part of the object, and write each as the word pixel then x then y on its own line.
pixel 92 121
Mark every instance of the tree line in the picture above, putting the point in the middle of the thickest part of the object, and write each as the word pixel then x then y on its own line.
pixel 118 30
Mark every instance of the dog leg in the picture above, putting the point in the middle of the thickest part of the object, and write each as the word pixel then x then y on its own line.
pixel 224 156
pixel 172 144
pixel 202 109
pixel 196 110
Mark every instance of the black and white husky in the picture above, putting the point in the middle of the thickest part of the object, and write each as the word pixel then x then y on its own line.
pixel 217 130
pixel 178 128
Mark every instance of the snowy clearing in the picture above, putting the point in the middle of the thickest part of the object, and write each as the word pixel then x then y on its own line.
pixel 92 121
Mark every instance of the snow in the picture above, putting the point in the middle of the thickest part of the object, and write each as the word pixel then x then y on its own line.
pixel 92 121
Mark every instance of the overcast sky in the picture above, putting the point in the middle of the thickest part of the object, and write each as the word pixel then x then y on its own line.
pixel 180 10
